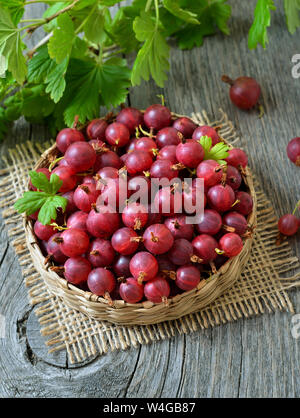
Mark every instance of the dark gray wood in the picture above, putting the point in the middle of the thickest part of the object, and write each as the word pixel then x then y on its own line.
pixel 257 357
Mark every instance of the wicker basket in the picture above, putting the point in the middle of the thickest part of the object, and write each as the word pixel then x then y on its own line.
pixel 143 313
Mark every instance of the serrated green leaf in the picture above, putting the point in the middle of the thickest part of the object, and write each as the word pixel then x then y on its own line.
pixel 60 44
pixel 219 151
pixel 220 13
pixel 50 11
pixel 36 103
pixel 60 202
pixel 55 80
pixel 292 14
pixel 79 49
pixel 153 58
pixel 45 199
pixel 40 181
pixel 212 14
pixel 192 36
pixel 262 20
pixel 94 27
pixel 30 202
pixel 55 183
pixel 11 47
pixel 40 65
pixel 171 24
pixel 114 81
pixel 15 8
pixel 206 143
pixel 47 212
pixel 173 6
pixel 89 82
pixel 121 29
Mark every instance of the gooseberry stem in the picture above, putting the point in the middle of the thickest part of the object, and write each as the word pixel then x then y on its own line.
pixel 296 207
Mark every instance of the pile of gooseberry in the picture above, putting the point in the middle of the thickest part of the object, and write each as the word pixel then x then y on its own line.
pixel 141 254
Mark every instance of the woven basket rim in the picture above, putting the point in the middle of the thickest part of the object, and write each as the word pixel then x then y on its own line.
pixel 88 299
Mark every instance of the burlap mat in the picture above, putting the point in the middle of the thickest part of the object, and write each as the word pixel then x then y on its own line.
pixel 261 288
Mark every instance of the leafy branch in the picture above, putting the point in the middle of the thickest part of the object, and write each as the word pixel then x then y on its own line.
pixel 79 64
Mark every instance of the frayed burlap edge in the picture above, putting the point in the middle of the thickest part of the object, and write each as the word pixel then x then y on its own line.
pixel 261 288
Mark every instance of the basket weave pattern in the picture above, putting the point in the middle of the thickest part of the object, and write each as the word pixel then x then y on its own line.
pixel 145 312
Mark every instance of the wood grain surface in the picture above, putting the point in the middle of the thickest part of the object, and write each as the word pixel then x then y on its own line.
pixel 256 357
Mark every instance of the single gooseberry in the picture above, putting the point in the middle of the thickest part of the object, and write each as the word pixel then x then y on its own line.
pixel 293 150
pixel 96 129
pixel 158 239
pixel 77 269
pixel 157 117
pixel 231 244
pixel 244 91
pixel 66 137
pixel 131 291
pixel 157 290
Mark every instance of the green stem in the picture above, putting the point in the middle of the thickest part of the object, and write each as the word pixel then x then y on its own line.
pixel 30 20
pixel 296 207
pixel 48 19
pixel 156 13
pixel 148 5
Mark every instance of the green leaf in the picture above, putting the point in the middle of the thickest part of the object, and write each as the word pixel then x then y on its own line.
pixel 79 49
pixel 11 47
pixel 46 201
pixel 110 2
pixel 173 6
pixel 121 30
pixel 171 23
pixel 30 202
pixel 40 181
pixel 15 8
pixel 94 27
pixel 192 36
pixel 55 183
pixel 211 14
pixel 55 81
pixel 36 103
pixel 262 19
pixel 54 8
pixel 206 143
pixel 40 65
pixel 220 12
pixel 292 14
pixel 218 152
pixel 42 68
pixel 153 58
pixel 60 44
pixel 114 81
pixel 87 80
pixel 47 212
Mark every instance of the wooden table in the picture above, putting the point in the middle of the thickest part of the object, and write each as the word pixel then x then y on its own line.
pixel 256 357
